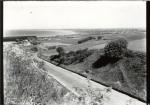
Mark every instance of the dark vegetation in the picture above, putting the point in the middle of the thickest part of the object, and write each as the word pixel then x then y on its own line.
pixel 18 38
pixel 34 49
pixel 116 49
pixel 72 57
pixel 85 39
pixel 103 61
pixel 112 52
pixel 89 38
pixel 60 51
pixel 99 37
pixel 33 40
pixel 115 65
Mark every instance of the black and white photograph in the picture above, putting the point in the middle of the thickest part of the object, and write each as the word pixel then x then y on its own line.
pixel 74 53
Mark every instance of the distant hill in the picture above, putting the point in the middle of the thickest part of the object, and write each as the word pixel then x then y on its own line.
pixel 55 32
pixel 38 33
pixel 15 38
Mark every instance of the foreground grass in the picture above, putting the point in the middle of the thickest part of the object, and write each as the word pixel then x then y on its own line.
pixel 26 85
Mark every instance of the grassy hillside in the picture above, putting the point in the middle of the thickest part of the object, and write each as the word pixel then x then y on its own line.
pixel 25 85
pixel 127 74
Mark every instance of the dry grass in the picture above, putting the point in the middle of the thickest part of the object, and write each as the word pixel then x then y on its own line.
pixel 25 85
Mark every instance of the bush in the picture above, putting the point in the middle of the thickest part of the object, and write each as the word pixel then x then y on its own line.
pixel 35 49
pixel 116 48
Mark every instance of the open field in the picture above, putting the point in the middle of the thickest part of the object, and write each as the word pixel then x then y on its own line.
pixel 70 42
pixel 138 45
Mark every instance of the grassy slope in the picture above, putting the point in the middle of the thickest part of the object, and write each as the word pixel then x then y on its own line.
pixel 127 74
pixel 25 85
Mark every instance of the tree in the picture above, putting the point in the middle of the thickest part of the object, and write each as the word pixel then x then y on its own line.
pixel 116 48
pixel 60 50
pixel 33 40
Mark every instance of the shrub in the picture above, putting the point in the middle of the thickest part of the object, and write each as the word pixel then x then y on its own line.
pixel 116 48
pixel 35 49
pixel 35 42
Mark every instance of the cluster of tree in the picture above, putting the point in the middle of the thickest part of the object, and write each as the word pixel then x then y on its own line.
pixel 71 57
pixel 85 39
pixel 116 48
pixel 18 38
pixel 113 51
pixel 89 38
pixel 33 40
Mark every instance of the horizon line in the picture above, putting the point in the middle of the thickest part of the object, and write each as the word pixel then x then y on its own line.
pixel 74 28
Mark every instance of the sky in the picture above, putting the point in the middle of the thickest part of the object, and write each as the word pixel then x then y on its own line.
pixel 74 14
